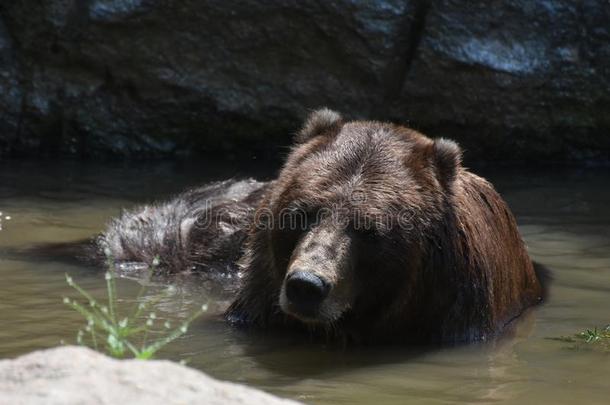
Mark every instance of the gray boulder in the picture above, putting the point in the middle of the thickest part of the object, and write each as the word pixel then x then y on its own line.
pixel 76 375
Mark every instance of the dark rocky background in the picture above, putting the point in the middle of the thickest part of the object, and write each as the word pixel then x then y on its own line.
pixel 511 80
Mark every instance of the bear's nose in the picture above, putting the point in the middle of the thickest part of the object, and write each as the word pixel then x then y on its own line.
pixel 306 291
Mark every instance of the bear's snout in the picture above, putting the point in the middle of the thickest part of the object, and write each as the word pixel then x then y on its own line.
pixel 318 284
pixel 306 291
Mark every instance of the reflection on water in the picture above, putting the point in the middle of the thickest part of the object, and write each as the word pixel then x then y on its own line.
pixel 563 215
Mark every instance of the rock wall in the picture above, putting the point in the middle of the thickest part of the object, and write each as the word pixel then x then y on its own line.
pixel 510 80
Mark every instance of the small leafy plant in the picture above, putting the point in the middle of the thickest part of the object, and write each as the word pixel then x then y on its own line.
pixel 596 338
pixel 128 333
pixel 595 335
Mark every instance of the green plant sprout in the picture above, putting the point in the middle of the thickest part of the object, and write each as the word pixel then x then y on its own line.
pixel 596 338
pixel 116 335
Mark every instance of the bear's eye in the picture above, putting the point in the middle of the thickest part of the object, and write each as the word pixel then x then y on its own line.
pixel 315 216
pixel 300 218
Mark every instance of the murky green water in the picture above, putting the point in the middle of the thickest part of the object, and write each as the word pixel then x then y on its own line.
pixel 564 216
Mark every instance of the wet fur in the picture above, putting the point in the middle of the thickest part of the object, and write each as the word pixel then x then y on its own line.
pixel 200 229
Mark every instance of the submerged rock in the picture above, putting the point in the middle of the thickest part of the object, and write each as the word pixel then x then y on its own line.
pixel 76 375
pixel 519 79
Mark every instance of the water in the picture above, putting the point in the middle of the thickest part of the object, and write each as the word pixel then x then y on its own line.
pixel 563 215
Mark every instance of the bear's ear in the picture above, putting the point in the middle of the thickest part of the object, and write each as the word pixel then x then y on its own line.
pixel 319 122
pixel 447 158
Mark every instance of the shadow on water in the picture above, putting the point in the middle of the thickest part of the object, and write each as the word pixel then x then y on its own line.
pixel 296 366
pixel 138 181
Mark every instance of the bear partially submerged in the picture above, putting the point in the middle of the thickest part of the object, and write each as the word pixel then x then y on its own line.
pixel 371 231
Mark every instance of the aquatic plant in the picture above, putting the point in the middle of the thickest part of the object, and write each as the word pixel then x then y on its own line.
pixel 595 335
pixel 124 333
pixel 596 338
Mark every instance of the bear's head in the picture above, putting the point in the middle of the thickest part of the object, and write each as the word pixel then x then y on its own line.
pixel 343 236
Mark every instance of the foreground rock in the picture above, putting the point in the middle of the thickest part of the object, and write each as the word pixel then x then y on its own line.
pixel 76 375
pixel 522 79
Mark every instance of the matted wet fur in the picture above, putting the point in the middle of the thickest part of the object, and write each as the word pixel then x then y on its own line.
pixel 203 228
pixel 395 240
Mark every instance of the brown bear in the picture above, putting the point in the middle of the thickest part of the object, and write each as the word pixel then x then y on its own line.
pixel 371 232
pixel 411 246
